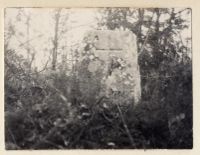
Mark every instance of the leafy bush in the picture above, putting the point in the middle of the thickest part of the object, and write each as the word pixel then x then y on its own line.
pixel 52 113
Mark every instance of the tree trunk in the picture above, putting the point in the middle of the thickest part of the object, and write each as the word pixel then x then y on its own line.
pixel 139 32
pixel 55 41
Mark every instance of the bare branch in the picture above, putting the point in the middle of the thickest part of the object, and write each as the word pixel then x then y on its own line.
pixel 125 126
pixel 147 36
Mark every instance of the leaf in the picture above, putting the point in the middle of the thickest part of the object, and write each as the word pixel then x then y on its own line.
pixel 111 144
pixel 63 97
pixel 57 122
pixel 105 106
pixel 32 137
pixel 66 143
pixel 86 114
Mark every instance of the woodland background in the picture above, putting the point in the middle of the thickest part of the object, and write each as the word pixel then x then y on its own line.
pixel 44 107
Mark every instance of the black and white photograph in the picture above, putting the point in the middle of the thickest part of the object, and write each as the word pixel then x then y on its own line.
pixel 98 78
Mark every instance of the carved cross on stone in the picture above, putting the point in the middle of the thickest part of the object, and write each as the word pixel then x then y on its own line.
pixel 117 49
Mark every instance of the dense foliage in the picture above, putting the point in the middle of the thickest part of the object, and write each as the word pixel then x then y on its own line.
pixel 48 109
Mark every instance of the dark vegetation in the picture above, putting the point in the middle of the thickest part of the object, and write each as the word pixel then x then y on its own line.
pixel 48 111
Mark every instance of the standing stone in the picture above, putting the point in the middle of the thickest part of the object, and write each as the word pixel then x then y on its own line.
pixel 116 57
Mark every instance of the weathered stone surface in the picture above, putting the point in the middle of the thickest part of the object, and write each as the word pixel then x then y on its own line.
pixel 117 55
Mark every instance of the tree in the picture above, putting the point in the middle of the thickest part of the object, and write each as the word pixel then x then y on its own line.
pixel 55 40
pixel 60 29
pixel 158 44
